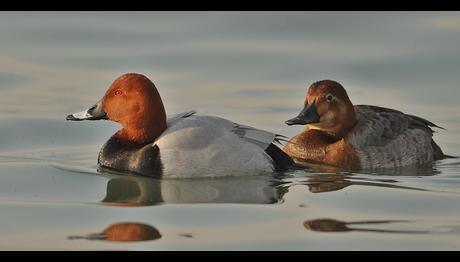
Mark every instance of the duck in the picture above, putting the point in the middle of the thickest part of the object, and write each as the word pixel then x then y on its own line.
pixel 181 145
pixel 358 137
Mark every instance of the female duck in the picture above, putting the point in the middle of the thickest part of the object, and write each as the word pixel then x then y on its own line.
pixel 358 137
pixel 183 145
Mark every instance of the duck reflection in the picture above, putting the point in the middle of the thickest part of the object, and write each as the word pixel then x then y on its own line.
pixel 331 225
pixel 144 191
pixel 326 183
pixel 422 170
pixel 124 232
pixel 133 190
pixel 320 183
pixel 327 179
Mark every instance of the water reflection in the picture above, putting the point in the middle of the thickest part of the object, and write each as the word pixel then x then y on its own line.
pixel 131 190
pixel 322 178
pixel 144 191
pixel 331 225
pixel 320 183
pixel 423 170
pixel 124 232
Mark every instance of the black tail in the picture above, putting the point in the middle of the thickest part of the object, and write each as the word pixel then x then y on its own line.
pixel 281 160
pixel 438 154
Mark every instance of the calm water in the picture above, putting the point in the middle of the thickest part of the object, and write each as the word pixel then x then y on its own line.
pixel 252 68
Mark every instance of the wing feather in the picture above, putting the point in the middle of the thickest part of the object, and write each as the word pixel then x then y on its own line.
pixel 386 137
pixel 377 126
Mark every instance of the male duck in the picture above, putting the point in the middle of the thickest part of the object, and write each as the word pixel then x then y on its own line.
pixel 358 137
pixel 182 145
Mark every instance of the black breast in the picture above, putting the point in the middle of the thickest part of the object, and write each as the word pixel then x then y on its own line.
pixel 142 159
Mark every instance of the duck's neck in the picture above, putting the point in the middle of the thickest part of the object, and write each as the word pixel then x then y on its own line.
pixel 142 133
pixel 314 138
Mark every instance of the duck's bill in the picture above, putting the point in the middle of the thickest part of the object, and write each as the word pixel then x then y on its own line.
pixel 308 115
pixel 96 112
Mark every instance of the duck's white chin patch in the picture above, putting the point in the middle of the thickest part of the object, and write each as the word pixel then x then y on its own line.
pixel 314 126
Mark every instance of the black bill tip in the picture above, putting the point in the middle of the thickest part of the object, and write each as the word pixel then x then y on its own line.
pixel 295 121
pixel 289 122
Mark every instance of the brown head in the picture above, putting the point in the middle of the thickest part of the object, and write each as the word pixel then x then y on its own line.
pixel 327 108
pixel 130 232
pixel 133 101
pixel 124 232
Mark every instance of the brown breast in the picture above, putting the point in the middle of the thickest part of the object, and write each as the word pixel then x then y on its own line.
pixel 318 147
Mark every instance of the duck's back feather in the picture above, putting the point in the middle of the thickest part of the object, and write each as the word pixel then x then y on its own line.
pixel 173 119
pixel 384 137
pixel 213 146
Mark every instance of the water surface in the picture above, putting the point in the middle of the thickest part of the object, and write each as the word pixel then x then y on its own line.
pixel 252 68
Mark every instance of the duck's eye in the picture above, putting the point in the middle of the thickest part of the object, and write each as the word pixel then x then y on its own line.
pixel 118 92
pixel 329 97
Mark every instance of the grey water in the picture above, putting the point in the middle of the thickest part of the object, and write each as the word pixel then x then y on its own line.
pixel 252 68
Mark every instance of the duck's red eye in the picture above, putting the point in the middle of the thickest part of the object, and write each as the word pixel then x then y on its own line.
pixel 118 93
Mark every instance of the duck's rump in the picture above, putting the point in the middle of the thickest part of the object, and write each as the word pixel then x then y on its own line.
pixel 384 137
